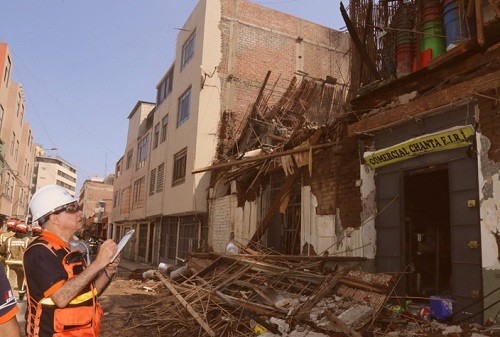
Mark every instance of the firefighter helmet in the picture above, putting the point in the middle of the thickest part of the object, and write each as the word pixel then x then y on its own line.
pixel 22 227
pixel 11 224
pixel 36 229
pixel 47 199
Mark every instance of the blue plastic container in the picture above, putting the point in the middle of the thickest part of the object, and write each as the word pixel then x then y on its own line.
pixel 454 26
pixel 441 307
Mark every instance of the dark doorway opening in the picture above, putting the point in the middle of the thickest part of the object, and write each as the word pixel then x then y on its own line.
pixel 283 233
pixel 427 231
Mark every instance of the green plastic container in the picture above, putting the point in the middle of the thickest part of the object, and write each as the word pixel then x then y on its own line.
pixel 433 38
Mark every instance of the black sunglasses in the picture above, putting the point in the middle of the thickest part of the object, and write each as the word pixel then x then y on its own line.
pixel 70 208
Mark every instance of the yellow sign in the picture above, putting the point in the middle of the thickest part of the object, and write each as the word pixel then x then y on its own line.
pixel 444 140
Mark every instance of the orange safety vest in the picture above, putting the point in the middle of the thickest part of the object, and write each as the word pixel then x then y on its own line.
pixel 78 319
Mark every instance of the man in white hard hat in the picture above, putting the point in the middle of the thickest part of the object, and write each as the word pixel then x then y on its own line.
pixel 62 289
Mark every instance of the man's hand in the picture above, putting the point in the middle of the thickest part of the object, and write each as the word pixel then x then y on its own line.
pixel 106 252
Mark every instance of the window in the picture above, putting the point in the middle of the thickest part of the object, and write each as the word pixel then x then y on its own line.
pixel 7 186
pixel 18 105
pixel 159 181
pixel 13 141
pixel 6 74
pixel 165 88
pixel 184 106
pixel 129 159
pixel 115 199
pixel 66 176
pixel 118 168
pixel 22 115
pixel 16 150
pixel 164 127
pixel 156 136
pixel 152 182
pixel 187 50
pixel 179 175
pixel 138 193
pixel 142 152
pixel 1 115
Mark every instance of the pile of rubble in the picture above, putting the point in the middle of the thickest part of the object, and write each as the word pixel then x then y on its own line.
pixel 276 295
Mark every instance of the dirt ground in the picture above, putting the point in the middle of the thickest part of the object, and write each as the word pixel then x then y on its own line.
pixel 125 303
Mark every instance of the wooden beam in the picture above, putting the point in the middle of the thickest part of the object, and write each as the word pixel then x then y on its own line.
pixel 480 23
pixel 359 45
pixel 428 102
pixel 285 189
pixel 323 290
pixel 267 156
pixel 495 8
pixel 186 305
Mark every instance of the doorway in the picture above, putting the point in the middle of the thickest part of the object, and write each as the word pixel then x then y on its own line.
pixel 283 233
pixel 427 231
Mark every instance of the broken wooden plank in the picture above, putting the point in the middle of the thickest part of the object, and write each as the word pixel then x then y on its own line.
pixel 326 287
pixel 480 23
pixel 233 303
pixel 285 189
pixel 186 305
pixel 335 145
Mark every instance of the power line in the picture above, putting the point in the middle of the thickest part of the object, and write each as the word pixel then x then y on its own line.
pixel 59 104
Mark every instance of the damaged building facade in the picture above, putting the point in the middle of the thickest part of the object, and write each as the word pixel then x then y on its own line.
pixel 430 144
pixel 406 176
pixel 224 51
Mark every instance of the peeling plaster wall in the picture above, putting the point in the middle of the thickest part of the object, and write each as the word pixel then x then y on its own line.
pixel 489 203
pixel 325 232
pixel 369 203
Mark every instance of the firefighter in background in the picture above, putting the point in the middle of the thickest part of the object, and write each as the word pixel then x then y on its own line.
pixel 15 247
pixel 36 230
pixel 10 231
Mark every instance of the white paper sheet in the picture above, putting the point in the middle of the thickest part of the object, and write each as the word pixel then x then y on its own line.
pixel 123 242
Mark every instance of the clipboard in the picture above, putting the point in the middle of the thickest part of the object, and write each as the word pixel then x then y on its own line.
pixel 123 242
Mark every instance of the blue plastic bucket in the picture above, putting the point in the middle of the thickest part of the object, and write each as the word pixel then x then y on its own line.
pixel 455 28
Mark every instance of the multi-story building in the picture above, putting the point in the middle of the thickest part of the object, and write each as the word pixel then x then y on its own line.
pixel 53 170
pixel 16 144
pixel 224 52
pixel 95 199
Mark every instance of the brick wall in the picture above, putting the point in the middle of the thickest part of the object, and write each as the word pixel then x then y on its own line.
pixel 489 120
pixel 333 183
pixel 257 39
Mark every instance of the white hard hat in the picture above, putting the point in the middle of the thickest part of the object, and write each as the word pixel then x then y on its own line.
pixel 47 199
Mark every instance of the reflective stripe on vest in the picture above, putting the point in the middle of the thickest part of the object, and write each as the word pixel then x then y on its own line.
pixel 77 300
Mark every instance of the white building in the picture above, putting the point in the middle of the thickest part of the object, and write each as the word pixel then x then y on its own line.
pixel 53 170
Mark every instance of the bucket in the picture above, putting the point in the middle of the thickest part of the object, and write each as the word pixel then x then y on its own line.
pixel 404 59
pixel 403 38
pixel 454 27
pixel 425 57
pixel 431 11
pixel 432 38
pixel 441 307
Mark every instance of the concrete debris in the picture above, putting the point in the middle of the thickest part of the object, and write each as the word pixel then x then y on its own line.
pixel 452 329
pixel 357 316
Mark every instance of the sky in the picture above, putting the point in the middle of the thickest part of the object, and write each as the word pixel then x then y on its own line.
pixel 84 65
